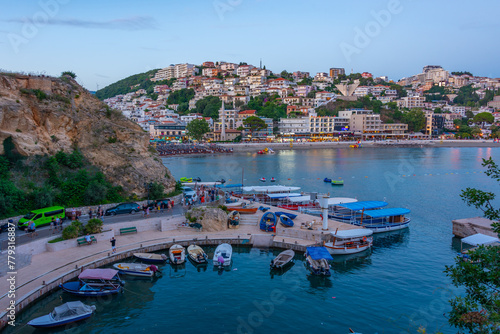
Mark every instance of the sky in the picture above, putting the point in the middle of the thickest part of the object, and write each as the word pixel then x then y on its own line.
pixel 105 41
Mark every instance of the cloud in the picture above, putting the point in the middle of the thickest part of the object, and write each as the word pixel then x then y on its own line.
pixel 127 23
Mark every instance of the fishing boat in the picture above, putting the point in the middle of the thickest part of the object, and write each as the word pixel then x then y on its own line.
pixel 350 241
pixel 337 182
pixel 317 261
pixel 243 210
pixel 289 215
pixel 352 211
pixel 67 313
pixel 283 259
pixel 286 221
pixel 262 179
pixel 268 222
pixel 151 257
pixel 197 254
pixel 94 283
pixel 223 255
pixel 234 218
pixel 384 220
pixel 327 180
pixel 273 179
pixel 177 254
pixel 136 269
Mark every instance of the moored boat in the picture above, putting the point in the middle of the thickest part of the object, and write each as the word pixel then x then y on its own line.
pixel 268 222
pixel 384 220
pixel 273 179
pixel 337 182
pixel 317 261
pixel 197 254
pixel 327 180
pixel 223 255
pixel 289 215
pixel 151 257
pixel 283 259
pixel 136 269
pixel 234 218
pixel 352 211
pixel 177 254
pixel 186 179
pixel 67 313
pixel 286 221
pixel 94 283
pixel 262 179
pixel 243 210
pixel 350 241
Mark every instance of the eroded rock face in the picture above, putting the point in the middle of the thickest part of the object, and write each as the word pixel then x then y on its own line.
pixel 212 219
pixel 69 115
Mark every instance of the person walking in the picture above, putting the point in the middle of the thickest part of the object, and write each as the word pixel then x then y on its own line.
pixel 53 225
pixel 113 245
pixel 58 223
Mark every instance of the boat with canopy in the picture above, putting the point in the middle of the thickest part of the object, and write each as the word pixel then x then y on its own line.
pixel 67 313
pixel 317 261
pixel 350 211
pixel 94 283
pixel 349 241
pixel 384 220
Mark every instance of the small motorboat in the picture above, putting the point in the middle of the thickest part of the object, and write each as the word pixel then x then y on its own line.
pixel 289 215
pixel 177 254
pixel 243 210
pixel 273 179
pixel 317 261
pixel 223 255
pixel 268 222
pixel 282 259
pixel 197 254
pixel 151 257
pixel 262 179
pixel 233 204
pixel 62 315
pixel 233 219
pixel 94 283
pixel 285 221
pixel 186 179
pixel 261 152
pixel 196 179
pixel 221 181
pixel 136 269
pixel 337 182
pixel 327 180
pixel 263 208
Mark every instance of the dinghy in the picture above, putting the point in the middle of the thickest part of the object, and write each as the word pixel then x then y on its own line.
pixel 268 222
pixel 289 215
pixel 282 259
pixel 262 179
pixel 197 254
pixel 94 283
pixel 327 180
pixel 285 221
pixel 136 269
pixel 151 257
pixel 243 210
pixel 62 315
pixel 222 255
pixel 177 254
pixel 273 179
pixel 234 218
pixel 317 261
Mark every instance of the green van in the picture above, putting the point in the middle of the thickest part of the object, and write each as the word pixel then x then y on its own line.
pixel 42 216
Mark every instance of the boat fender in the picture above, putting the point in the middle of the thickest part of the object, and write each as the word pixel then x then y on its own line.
pixel 364 239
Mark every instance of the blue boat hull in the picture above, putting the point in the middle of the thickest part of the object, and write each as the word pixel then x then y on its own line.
pixel 268 221
pixel 289 215
pixel 62 323
pixel 285 221
pixel 75 288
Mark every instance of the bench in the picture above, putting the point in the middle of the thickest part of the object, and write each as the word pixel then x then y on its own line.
pixel 82 241
pixel 127 230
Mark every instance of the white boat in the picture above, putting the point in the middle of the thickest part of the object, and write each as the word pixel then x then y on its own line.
pixel 151 257
pixel 350 241
pixel 384 220
pixel 270 189
pixel 135 269
pixel 282 259
pixel 197 254
pixel 317 261
pixel 222 255
pixel 63 315
pixel 229 205
pixel 177 254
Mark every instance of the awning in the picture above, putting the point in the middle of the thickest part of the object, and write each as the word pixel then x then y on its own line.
pixel 105 274
pixel 356 233
pixel 300 199
pixel 479 239
pixel 318 253
pixel 270 189
pixel 356 206
pixel 387 212
pixel 340 200
pixel 284 195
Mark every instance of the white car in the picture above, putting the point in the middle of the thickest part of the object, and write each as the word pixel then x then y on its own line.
pixel 191 196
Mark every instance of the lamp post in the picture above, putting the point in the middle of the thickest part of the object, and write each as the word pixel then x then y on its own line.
pixel 148 186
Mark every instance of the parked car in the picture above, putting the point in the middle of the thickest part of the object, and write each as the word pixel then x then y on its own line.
pixel 154 204
pixel 191 197
pixel 4 227
pixel 42 216
pixel 123 208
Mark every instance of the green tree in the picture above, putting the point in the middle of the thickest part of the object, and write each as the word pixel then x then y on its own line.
pixel 254 123
pixel 198 128
pixel 180 96
pixel 415 119
pixel 156 190
pixel 69 74
pixel 484 117
pixel 208 106
pixel 479 310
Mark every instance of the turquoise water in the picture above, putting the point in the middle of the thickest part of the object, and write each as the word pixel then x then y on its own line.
pixel 395 288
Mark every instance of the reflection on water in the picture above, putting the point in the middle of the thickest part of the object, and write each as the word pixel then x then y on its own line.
pixel 391 239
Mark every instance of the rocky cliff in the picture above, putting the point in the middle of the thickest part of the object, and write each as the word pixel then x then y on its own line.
pixel 44 115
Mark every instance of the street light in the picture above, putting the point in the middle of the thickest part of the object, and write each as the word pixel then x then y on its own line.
pixel 148 186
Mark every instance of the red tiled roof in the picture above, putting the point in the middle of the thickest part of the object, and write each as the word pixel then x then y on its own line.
pixel 247 112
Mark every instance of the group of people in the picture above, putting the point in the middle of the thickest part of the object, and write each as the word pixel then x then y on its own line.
pixel 159 206
pixel 56 224
pixel 98 213
pixel 204 194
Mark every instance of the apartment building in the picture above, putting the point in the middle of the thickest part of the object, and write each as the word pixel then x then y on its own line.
pixel 411 102
pixel 244 70
pixel 362 121
pixel 336 71
pixel 291 126
pixel 327 124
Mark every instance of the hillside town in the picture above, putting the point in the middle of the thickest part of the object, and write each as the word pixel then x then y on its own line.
pixel 328 106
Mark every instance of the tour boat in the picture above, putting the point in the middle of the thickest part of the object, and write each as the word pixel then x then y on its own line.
pixel 327 180
pixel 350 241
pixel 289 215
pixel 352 211
pixel 136 269
pixel 65 314
pixel 384 220
pixel 317 260
pixel 262 179
pixel 151 257
pixel 177 254
pixel 234 218
pixel 283 259
pixel 197 254
pixel 337 182
pixel 243 210
pixel 222 255
pixel 94 283
pixel 285 221
pixel 268 222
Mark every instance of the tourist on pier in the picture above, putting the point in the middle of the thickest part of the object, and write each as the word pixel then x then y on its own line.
pixel 113 245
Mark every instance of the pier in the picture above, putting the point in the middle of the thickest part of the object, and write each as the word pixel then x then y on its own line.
pixel 469 226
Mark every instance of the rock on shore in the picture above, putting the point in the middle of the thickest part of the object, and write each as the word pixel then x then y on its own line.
pixel 212 219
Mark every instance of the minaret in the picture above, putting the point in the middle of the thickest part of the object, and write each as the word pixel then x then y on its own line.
pixel 223 120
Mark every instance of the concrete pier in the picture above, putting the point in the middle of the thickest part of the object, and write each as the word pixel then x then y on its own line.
pixel 469 226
